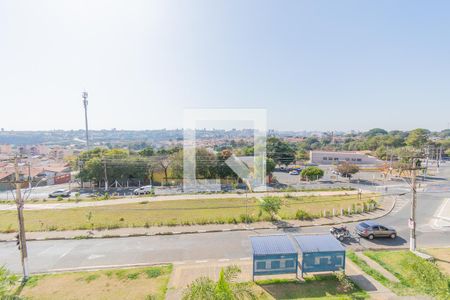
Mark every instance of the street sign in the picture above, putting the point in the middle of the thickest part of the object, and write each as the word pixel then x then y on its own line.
pixel 411 223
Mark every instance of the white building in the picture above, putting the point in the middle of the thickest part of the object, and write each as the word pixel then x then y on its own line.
pixel 334 158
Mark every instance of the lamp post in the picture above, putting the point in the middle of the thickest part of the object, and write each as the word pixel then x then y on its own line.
pixel 85 103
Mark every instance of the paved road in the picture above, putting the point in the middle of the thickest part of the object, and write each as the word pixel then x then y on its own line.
pixel 73 254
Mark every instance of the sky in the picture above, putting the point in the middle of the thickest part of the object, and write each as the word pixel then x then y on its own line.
pixel 313 65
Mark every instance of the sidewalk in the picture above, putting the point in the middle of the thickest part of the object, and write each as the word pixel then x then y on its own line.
pixel 386 206
pixel 374 265
pixel 375 289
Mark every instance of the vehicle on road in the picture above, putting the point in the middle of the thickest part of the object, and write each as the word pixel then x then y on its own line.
pixel 371 230
pixel 341 233
pixel 143 190
pixel 61 192
pixel 294 172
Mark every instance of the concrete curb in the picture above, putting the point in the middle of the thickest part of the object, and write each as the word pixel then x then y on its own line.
pixel 207 231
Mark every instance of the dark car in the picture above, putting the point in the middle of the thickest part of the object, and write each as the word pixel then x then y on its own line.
pixel 371 230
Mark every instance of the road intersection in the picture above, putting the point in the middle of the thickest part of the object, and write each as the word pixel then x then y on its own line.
pixel 60 255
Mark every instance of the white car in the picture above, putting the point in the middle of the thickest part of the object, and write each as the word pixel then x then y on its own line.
pixel 294 172
pixel 57 193
pixel 146 189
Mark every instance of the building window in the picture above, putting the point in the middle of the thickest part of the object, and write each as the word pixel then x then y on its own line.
pixel 330 158
pixel 336 158
pixel 324 158
pixel 261 265
pixel 347 159
pixel 275 264
pixel 353 159
pixel 359 159
pixel 289 264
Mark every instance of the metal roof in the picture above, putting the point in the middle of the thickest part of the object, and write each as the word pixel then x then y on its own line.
pixel 272 244
pixel 318 243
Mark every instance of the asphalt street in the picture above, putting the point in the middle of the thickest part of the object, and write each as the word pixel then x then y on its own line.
pixel 59 255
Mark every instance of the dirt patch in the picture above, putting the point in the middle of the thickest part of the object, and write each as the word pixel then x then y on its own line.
pixel 139 283
pixel 442 256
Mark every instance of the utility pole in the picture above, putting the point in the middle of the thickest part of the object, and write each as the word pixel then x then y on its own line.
pixel 426 163
pixel 439 156
pixel 85 103
pixel 29 176
pixel 106 177
pixel 22 238
pixel 412 220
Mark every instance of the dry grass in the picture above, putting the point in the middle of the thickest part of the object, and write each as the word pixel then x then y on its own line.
pixel 141 283
pixel 318 287
pixel 146 213
pixel 171 213
pixel 317 204
pixel 442 256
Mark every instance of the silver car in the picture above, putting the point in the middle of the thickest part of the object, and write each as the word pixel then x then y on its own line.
pixel 371 230
pixel 57 193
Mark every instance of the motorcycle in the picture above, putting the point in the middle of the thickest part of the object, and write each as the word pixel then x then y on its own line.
pixel 340 233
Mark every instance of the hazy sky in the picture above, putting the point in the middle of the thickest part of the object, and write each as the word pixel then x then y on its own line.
pixel 314 65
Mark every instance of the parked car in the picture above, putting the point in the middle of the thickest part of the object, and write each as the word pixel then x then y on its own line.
pixel 57 193
pixel 294 172
pixel 146 189
pixel 371 230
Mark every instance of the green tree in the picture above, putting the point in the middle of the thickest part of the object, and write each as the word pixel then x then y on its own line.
pixel 205 163
pixel 147 151
pixel 347 169
pixel 226 288
pixel 271 205
pixel 280 151
pixel 270 166
pixel 418 138
pixel 301 154
pixel 312 173
pixel 381 152
pixel 375 132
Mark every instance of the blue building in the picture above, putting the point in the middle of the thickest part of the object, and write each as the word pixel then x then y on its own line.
pixel 320 253
pixel 273 254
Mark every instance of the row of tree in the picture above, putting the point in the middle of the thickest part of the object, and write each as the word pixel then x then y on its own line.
pixel 120 165
pixel 382 143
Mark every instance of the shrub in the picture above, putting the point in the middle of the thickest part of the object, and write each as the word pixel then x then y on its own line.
pixel 7 282
pixel 303 215
pixel 246 219
pixel 153 272
pixel 345 285
pixel 133 276
pixel 59 198
pixel 271 205
pixel 91 277
pixel 312 173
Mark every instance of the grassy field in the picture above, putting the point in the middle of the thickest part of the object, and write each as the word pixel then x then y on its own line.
pixel 417 276
pixel 442 257
pixel 140 283
pixel 319 287
pixel 315 205
pixel 171 213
